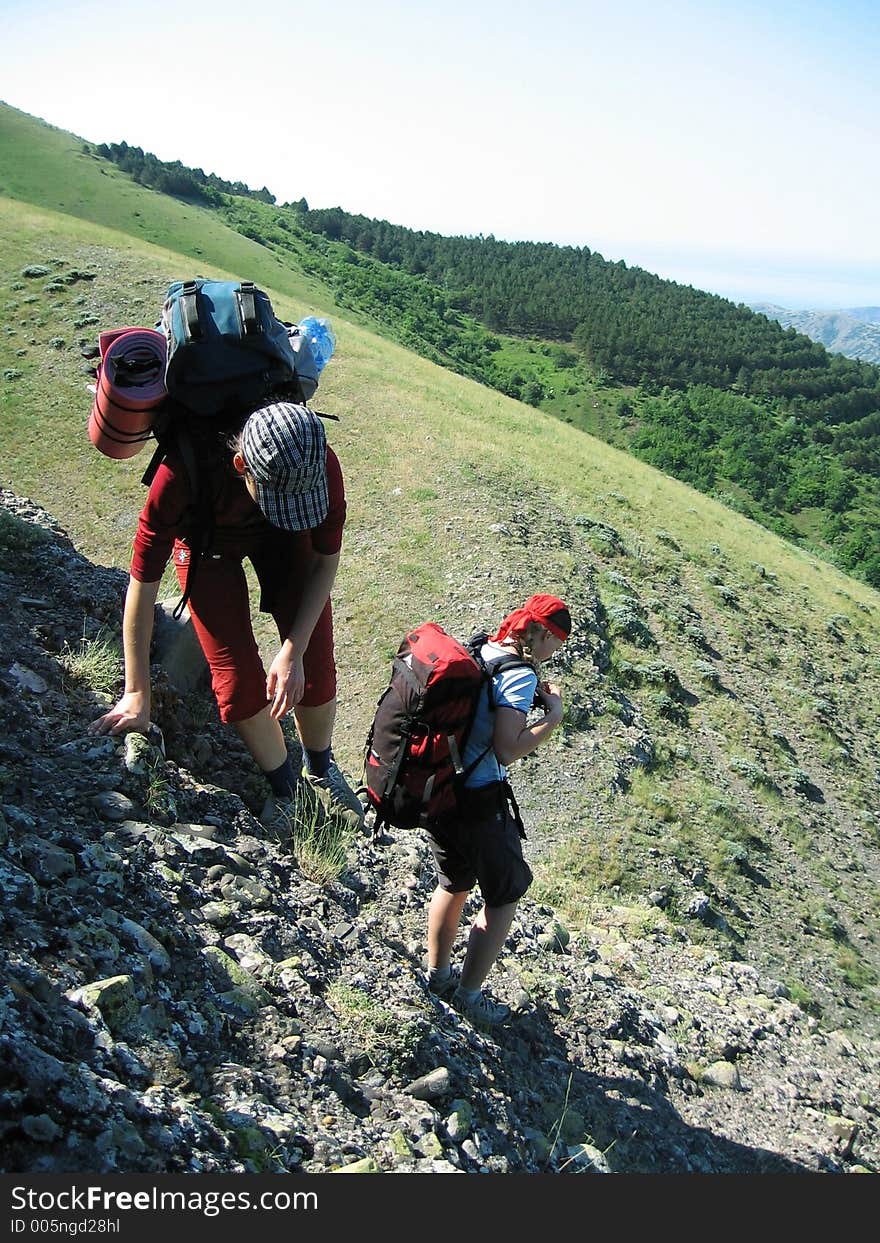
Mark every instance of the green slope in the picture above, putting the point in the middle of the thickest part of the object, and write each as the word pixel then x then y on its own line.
pixel 49 168
pixel 709 392
pixel 723 687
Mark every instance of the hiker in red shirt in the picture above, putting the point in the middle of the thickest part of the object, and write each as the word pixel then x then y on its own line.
pixel 278 498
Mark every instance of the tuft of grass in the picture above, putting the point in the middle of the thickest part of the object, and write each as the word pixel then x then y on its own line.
pixel 581 869
pixel 382 1035
pixel 93 663
pixel 160 801
pixel 17 536
pixel 821 919
pixel 319 842
pixel 654 797
pixel 556 1130
pixel 801 996
pixel 857 973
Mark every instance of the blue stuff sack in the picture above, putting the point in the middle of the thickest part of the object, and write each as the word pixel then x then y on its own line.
pixel 227 351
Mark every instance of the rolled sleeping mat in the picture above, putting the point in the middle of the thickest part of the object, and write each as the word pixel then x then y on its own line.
pixel 131 384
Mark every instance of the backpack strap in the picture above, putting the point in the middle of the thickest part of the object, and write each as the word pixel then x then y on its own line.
pixel 499 665
pixel 201 507
pixel 133 372
pixel 189 309
pixel 203 517
pixel 247 303
pixel 155 462
pixel 514 808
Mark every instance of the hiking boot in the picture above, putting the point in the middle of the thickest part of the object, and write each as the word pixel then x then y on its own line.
pixel 335 795
pixel 278 814
pixel 445 988
pixel 482 1011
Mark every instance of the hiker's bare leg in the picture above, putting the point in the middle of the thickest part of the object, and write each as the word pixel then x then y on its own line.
pixel 444 917
pixel 488 934
pixel 262 736
pixel 315 725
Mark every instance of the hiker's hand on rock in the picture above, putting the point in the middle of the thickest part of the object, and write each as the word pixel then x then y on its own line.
pixel 285 684
pixel 131 715
pixel 551 699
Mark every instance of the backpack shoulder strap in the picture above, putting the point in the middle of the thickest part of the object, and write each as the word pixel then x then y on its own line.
pixel 490 671
pixel 501 664
pixel 155 462
pixel 497 664
pixel 247 301
pixel 189 310
pixel 164 429
pixel 200 507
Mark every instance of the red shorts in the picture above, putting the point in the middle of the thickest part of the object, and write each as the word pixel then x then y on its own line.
pixel 219 606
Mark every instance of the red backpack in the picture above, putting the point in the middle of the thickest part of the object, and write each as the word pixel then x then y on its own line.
pixel 413 767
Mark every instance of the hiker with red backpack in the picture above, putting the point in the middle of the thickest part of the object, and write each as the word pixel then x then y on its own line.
pixel 242 469
pixel 482 841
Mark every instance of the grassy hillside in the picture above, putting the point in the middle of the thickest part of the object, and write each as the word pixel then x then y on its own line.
pixel 711 393
pixel 53 170
pixel 718 767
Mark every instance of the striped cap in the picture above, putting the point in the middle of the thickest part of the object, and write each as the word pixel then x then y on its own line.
pixel 285 449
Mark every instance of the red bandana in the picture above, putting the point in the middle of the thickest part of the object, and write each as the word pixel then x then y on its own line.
pixel 547 611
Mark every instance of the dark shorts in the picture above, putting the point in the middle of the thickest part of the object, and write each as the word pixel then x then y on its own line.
pixel 483 844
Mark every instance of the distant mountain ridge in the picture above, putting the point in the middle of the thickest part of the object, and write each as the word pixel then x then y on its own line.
pixel 854 332
pixel 867 314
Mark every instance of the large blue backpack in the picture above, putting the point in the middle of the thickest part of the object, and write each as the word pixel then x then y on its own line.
pixel 226 350
pixel 226 355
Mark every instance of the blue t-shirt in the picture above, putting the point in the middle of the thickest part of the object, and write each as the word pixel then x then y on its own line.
pixel 514 688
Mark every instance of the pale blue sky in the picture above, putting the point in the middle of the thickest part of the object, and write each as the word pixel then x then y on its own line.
pixel 732 145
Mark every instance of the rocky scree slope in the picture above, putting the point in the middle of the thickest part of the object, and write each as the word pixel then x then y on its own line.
pixel 176 996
